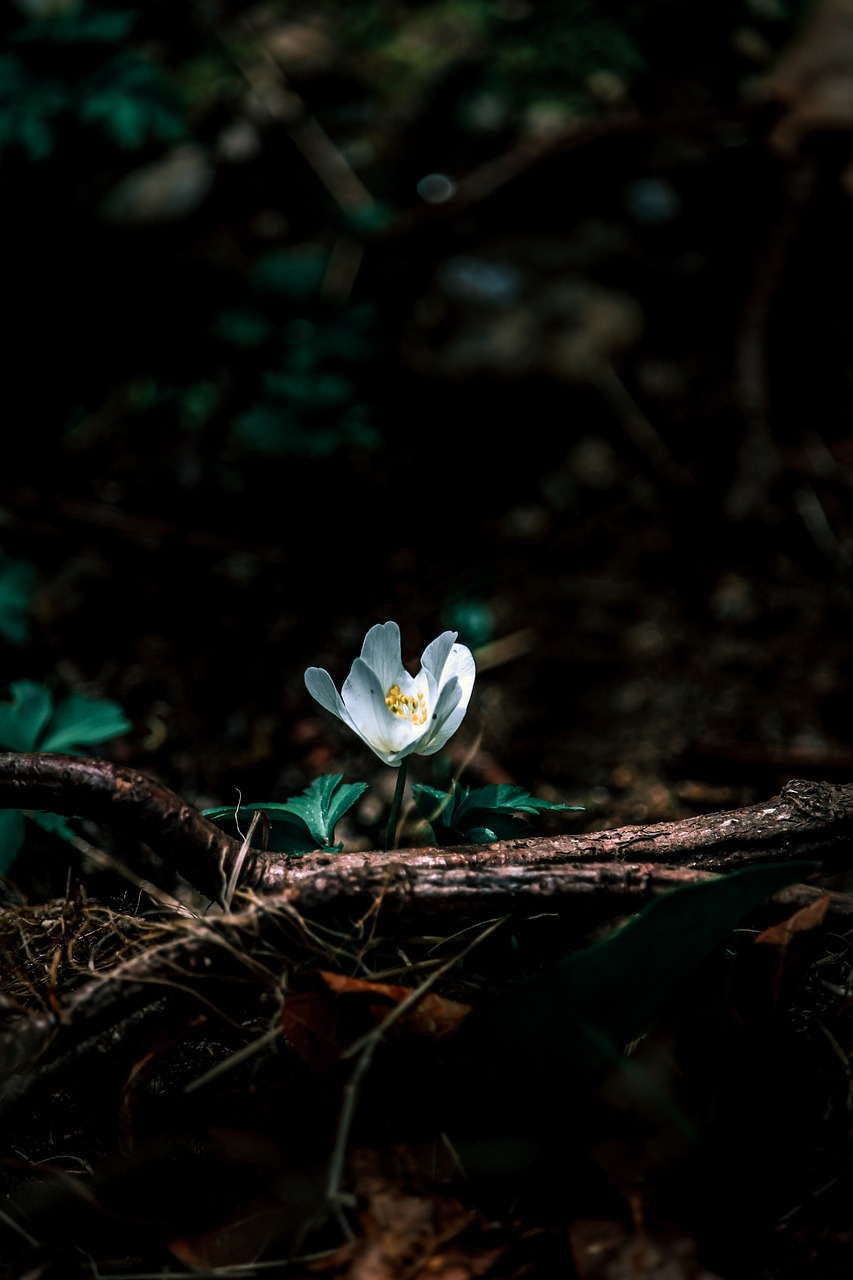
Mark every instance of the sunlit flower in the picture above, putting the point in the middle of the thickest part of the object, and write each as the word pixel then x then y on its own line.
pixel 396 714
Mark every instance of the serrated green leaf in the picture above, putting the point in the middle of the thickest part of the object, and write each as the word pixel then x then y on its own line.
pixel 288 833
pixel 17 583
pixel 79 721
pixel 505 797
pixel 322 803
pixel 23 718
pixel 11 837
pixel 479 816
pixel 303 823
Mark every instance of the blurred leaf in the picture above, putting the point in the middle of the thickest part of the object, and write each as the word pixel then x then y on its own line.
pixel 321 390
pixel 80 721
pixel 26 106
pixel 133 101
pixel 17 583
pixel 291 275
pixel 275 432
pixel 78 26
pixel 23 719
pixel 243 328
pixel 31 722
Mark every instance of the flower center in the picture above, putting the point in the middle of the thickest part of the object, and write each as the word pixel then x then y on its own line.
pixel 406 706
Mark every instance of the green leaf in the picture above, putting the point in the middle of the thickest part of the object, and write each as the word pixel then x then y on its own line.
pixel 17 583
pixel 479 816
pixel 23 718
pixel 78 26
pixel 26 105
pixel 243 328
pixel 80 721
pixel 275 431
pixel 556 1034
pixel 11 837
pixel 303 823
pixel 288 833
pixel 298 275
pixel 132 100
pixel 319 389
pixel 54 823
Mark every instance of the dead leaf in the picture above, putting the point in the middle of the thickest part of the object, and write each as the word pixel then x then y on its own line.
pixel 230 1244
pixel 321 1023
pixel 809 917
pixel 403 1234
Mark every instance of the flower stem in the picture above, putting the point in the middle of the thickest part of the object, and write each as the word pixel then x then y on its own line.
pixel 396 806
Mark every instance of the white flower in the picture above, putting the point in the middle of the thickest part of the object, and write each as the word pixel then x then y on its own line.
pixel 394 713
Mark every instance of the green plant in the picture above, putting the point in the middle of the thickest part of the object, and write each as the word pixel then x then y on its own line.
pixel 32 720
pixel 481 815
pixel 303 823
pixel 17 583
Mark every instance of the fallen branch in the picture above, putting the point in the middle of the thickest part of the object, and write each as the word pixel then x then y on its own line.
pixel 808 820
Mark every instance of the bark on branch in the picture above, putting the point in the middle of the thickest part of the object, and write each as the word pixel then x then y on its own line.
pixel 808 820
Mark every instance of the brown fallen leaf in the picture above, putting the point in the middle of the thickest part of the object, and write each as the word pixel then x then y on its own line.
pixel 409 1231
pixel 233 1243
pixel 809 917
pixel 781 962
pixel 320 1023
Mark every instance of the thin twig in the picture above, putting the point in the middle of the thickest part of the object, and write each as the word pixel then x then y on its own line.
pixel 363 1050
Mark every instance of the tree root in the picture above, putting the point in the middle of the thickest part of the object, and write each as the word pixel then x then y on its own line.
pixel 807 821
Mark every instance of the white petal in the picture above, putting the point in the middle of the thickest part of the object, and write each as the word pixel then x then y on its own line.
pixel 381 651
pixel 321 686
pixel 445 731
pixel 436 653
pixel 440 719
pixel 461 664
pixel 364 700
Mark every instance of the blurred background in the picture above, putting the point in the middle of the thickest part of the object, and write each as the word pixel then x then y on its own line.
pixel 526 320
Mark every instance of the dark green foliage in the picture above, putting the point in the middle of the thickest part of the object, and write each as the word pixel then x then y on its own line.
pixel 33 721
pixel 308 400
pixel 17 583
pixel 78 26
pixel 303 823
pixel 479 816
pixel 556 1035
pixel 58 69
pixel 28 104
pixel 132 101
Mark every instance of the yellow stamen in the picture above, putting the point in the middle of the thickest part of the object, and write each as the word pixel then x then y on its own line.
pixel 406 706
